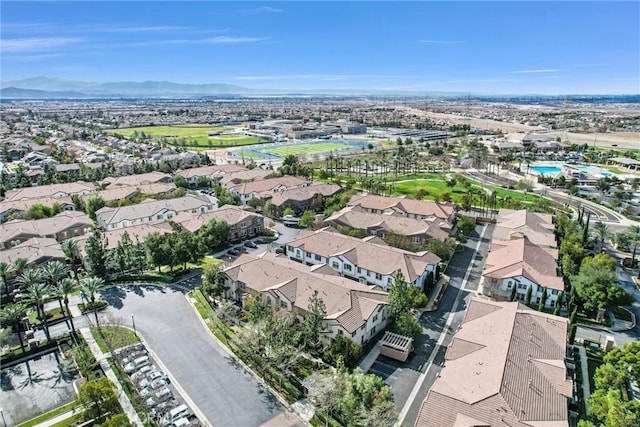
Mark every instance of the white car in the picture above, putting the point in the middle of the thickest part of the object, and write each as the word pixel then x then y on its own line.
pixel 163 394
pixel 142 373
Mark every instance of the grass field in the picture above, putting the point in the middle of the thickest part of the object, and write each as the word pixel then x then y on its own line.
pixel 306 149
pixel 194 136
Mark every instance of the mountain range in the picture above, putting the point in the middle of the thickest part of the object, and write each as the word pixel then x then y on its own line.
pixel 59 88
pixel 48 87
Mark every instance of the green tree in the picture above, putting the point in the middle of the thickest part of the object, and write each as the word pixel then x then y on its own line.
pixel 313 324
pixel 288 211
pixel 72 255
pixel 120 420
pixel 543 300
pixel 399 298
pixel 96 254
pixel 94 203
pixel 345 351
pixel 466 225
pixel 407 325
pixel 602 231
pixel 596 287
pixel 256 309
pixel 6 271
pixel 213 279
pixel 90 286
pixel 527 298
pixel 123 253
pixel 213 233
pixel 65 287
pixel 98 400
pixel 307 219
pixel 626 359
pixel 11 316
pixel 444 250
pixel 37 294
pixel 180 181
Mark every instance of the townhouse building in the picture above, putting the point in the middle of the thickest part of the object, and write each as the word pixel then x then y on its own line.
pixel 418 231
pixel 151 211
pixel 53 190
pixel 301 199
pixel 243 223
pixel 135 180
pixel 410 208
pixel 505 367
pixel 60 227
pixel 9 208
pixel 353 310
pixel 263 189
pixel 369 261
pixel 521 264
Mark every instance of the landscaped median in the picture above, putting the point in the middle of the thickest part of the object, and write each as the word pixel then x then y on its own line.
pixel 69 407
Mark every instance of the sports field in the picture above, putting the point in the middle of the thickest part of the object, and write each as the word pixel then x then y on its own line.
pixel 307 149
pixel 202 136
pixel 300 149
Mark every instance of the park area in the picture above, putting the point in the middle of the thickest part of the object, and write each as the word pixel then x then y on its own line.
pixel 191 136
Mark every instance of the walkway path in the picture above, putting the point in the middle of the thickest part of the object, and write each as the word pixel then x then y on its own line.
pixel 586 391
pixel 101 357
pixel 58 418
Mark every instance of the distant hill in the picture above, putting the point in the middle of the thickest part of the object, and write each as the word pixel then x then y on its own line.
pixel 59 86
pixel 14 92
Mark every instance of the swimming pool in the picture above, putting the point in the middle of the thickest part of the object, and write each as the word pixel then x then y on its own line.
pixel 592 171
pixel 541 170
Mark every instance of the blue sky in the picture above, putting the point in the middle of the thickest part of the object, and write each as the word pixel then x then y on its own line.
pixel 551 47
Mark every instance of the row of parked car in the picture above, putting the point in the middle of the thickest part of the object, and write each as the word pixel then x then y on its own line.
pixel 237 250
pixel 152 386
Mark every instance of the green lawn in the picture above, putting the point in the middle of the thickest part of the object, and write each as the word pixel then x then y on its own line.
pixel 48 415
pixel 52 316
pixel 204 136
pixel 116 335
pixel 186 131
pixel 313 148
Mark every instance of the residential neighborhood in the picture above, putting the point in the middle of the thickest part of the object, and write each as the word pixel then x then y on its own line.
pixel 402 277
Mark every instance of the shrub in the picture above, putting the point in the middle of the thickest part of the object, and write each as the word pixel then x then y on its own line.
pixel 98 305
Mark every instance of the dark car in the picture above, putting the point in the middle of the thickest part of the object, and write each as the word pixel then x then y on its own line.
pixel 261 240
pixel 250 244
pixel 233 252
pixel 279 250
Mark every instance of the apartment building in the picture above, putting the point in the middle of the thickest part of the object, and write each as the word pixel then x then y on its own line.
pixel 353 310
pixel 243 223
pixel 505 367
pixel 369 261
pixel 151 211
pixel 60 227
pixel 53 190
pixel 516 224
pixel 16 207
pixel 410 208
pixel 521 264
pixel 135 180
pixel 265 188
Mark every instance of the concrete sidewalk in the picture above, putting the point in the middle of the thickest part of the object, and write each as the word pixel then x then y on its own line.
pixel 101 357
pixel 57 419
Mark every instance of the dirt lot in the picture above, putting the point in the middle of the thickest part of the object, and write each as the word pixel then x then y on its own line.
pixel 610 140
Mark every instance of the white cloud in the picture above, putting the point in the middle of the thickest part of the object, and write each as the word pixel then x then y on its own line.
pixel 544 70
pixel 269 9
pixel 441 42
pixel 37 44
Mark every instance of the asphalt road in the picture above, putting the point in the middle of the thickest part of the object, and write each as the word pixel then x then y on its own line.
pixel 403 377
pixel 220 388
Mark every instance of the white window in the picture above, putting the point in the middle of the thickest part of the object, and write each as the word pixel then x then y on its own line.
pixel 158 216
pixel 283 304
pixel 554 292
pixel 318 258
pixel 340 332
pixel 307 254
pixel 509 284
pixel 378 276
pixel 347 267
pixel 359 270
pixel 335 265
pixel 375 318
pixel 241 285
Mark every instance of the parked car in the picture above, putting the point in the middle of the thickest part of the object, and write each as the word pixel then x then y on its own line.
pixel 163 394
pixel 175 414
pixel 250 244
pixel 142 373
pixel 279 250
pixel 233 252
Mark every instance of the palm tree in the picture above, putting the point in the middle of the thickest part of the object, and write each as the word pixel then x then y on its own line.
pixel 62 291
pixel 601 230
pixel 12 315
pixel 91 286
pixel 53 271
pixel 20 265
pixel 71 253
pixel 5 271
pixel 38 292
pixel 634 239
pixel 28 278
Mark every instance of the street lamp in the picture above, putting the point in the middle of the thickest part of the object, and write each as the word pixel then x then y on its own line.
pixel 3 420
pixel 133 322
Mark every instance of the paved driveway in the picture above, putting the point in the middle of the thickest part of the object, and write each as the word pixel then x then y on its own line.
pixel 219 387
